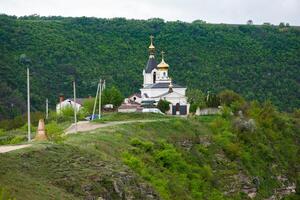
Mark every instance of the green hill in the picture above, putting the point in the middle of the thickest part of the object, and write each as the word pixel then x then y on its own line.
pixel 259 62
pixel 213 158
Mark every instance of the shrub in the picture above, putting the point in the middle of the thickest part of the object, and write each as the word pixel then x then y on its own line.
pixel 163 105
pixel 132 161
pixel 54 132
pixel 146 146
pixel 2 132
pixel 206 172
pixel 193 108
pixel 227 97
pixel 18 139
pixel 88 105
pixel 112 96
pixel 232 150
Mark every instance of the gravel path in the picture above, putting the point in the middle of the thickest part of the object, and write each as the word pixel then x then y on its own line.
pixel 84 126
pixel 8 148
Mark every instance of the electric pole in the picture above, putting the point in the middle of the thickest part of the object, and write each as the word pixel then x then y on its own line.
pixel 94 109
pixel 28 106
pixel 100 98
pixel 75 106
pixel 47 108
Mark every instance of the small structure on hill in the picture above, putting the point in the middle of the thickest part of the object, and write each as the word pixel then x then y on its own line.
pixel 65 103
pixel 135 98
pixel 41 132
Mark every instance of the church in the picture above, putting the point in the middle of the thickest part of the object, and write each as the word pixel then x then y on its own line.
pixel 158 85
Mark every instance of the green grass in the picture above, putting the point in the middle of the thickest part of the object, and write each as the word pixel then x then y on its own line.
pixel 194 158
pixel 116 116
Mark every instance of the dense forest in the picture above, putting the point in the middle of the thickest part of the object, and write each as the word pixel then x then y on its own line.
pixel 259 62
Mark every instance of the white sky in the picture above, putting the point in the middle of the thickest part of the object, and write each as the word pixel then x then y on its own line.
pixel 213 11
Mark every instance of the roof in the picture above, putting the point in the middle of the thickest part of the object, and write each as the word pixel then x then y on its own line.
pixel 151 64
pixel 129 106
pixel 162 85
pixel 167 93
pixel 136 94
pixel 78 100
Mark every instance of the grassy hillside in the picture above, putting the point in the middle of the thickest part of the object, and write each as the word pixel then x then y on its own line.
pixel 259 62
pixel 197 158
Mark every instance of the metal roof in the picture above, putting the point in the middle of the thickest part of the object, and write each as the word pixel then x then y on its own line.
pixel 151 64
pixel 162 85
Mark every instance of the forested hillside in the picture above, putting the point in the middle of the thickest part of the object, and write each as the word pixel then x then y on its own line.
pixel 259 62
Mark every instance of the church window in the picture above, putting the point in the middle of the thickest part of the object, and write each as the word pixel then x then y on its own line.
pixel 154 77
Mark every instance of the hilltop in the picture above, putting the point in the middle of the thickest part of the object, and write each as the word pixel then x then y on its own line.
pixel 208 157
pixel 259 62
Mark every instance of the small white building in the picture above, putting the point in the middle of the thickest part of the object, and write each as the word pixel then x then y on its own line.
pixel 65 103
pixel 135 98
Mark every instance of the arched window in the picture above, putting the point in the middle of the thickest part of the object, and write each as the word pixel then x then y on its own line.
pixel 164 74
pixel 177 107
pixel 154 77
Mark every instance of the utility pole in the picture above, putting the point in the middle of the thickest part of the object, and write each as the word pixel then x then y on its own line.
pixel 28 106
pixel 100 98
pixel 47 108
pixel 94 109
pixel 75 106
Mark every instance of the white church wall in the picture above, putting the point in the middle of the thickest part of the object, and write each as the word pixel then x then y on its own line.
pixel 147 79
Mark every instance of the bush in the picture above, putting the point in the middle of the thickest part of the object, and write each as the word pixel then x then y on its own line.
pixel 193 108
pixel 163 105
pixel 112 96
pixel 232 150
pixel 54 132
pixel 146 146
pixel 18 139
pixel 132 161
pixel 227 97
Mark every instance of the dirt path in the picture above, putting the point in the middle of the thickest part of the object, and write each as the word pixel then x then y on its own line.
pixel 8 148
pixel 81 127
pixel 89 126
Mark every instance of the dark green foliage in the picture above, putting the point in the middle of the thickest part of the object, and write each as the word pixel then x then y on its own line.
pixel 20 121
pixel 163 105
pixel 54 132
pixel 260 62
pixel 228 97
pixel 212 100
pixel 112 96
pixel 196 98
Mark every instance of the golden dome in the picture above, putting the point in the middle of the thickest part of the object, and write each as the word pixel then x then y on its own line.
pixel 162 64
pixel 151 47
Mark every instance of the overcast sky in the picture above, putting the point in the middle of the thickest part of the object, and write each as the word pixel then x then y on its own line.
pixel 213 11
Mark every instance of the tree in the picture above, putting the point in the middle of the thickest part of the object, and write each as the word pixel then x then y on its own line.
pixel 196 98
pixel 212 100
pixel 163 105
pixel 281 25
pixel 249 22
pixel 112 96
pixel 88 104
pixel 227 97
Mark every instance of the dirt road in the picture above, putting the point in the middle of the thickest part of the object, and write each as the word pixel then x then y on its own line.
pixel 8 148
pixel 89 126
pixel 82 126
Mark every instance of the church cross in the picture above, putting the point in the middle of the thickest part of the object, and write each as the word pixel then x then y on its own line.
pixel 151 38
pixel 162 54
